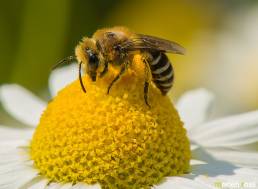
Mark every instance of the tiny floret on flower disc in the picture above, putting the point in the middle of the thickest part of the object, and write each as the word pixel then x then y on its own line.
pixel 114 140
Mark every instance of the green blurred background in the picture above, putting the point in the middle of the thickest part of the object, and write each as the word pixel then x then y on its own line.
pixel 220 38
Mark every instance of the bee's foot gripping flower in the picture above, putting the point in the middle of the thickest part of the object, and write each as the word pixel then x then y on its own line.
pixel 114 140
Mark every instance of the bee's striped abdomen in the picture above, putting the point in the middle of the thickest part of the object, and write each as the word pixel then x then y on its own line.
pixel 162 72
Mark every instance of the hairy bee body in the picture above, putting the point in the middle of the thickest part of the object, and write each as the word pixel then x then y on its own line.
pixel 118 46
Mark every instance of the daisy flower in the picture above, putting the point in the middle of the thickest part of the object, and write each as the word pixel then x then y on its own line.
pixel 115 141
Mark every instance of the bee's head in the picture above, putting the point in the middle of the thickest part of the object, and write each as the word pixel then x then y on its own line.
pixel 86 52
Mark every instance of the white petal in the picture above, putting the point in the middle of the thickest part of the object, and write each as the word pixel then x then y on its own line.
pixel 21 104
pixel 85 186
pixel 15 167
pixel 227 176
pixel 180 182
pixel 17 177
pixel 53 186
pixel 10 133
pixel 13 155
pixel 230 131
pixel 36 183
pixel 7 145
pixel 212 164
pixel 242 158
pixel 193 107
pixel 247 147
pixel 194 146
pixel 60 77
pixel 67 186
pixel 39 185
pixel 219 168
pixel 196 162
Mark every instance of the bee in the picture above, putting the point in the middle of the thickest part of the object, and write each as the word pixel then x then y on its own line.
pixel 118 46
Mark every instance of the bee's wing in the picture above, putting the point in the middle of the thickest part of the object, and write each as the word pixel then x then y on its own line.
pixel 140 41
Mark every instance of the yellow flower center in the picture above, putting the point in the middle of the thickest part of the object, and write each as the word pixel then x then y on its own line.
pixel 114 140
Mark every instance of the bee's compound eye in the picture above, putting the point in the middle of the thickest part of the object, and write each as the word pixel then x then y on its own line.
pixel 93 59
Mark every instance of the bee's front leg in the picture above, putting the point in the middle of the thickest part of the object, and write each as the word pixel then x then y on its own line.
pixel 146 82
pixel 80 78
pixel 122 71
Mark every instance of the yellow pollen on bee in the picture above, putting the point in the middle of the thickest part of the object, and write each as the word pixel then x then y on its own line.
pixel 114 140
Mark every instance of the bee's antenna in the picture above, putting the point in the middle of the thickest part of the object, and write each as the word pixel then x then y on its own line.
pixel 80 77
pixel 65 60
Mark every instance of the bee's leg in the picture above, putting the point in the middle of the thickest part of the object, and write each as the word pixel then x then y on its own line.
pixel 122 70
pixel 80 78
pixel 105 70
pixel 146 82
